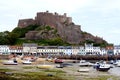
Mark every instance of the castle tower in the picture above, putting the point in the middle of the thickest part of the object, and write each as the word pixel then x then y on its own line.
pixel 22 23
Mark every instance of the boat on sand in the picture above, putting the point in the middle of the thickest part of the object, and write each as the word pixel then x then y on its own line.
pixel 10 62
pixel 85 63
pixel 102 66
pixel 27 61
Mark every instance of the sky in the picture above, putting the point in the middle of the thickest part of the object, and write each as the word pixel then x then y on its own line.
pixel 98 17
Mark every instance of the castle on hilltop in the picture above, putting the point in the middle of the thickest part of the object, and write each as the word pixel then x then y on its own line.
pixel 67 30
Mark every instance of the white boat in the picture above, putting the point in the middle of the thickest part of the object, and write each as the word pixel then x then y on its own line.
pixel 102 66
pixel 10 62
pixel 27 61
pixel 85 63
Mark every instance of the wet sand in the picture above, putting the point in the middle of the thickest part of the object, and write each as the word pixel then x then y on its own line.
pixel 71 71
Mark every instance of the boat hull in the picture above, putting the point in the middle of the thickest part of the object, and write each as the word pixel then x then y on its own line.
pixel 103 69
pixel 10 63
pixel 27 63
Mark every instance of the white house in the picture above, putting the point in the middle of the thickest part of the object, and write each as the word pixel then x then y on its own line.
pixel 81 50
pixel 90 49
pixel 117 49
pixel 4 49
pixel 103 51
pixel 75 50
pixel 68 50
pixel 30 48
pixel 49 50
pixel 96 50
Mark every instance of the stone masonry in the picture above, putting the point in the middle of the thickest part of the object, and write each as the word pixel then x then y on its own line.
pixel 25 22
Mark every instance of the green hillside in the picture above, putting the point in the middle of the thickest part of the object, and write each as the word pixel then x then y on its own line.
pixel 49 36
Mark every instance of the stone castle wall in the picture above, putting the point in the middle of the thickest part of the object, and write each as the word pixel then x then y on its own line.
pixel 25 22
pixel 45 18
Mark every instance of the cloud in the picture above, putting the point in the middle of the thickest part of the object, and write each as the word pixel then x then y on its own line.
pixel 61 5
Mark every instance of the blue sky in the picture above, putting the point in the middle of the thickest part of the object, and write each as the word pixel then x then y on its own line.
pixel 98 17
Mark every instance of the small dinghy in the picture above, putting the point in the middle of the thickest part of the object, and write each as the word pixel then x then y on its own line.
pixel 27 61
pixel 85 63
pixel 10 62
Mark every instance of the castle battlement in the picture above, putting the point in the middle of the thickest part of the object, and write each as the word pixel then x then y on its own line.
pixel 45 18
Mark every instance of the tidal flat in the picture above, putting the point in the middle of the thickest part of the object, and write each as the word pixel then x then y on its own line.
pixel 32 72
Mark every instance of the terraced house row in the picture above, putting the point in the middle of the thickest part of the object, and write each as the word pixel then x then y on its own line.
pixel 32 48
